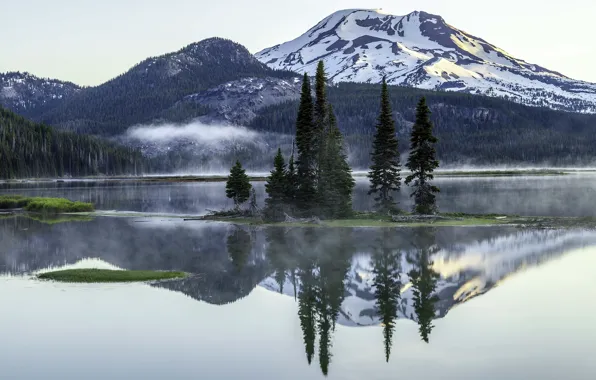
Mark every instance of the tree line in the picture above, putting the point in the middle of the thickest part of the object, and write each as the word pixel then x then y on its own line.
pixel 473 129
pixel 320 183
pixel 30 150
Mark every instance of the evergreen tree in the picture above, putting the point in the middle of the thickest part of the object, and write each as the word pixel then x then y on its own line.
pixel 321 121
pixel 238 185
pixel 276 188
pixel 386 268
pixel 385 170
pixel 422 161
pixel 336 183
pixel 305 142
pixel 291 185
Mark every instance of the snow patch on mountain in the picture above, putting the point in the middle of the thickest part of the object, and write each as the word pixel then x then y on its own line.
pixel 422 50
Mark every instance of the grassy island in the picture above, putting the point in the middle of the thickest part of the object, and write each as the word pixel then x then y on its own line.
pixel 43 205
pixel 106 275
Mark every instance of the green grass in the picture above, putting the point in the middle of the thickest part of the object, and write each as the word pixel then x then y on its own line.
pixel 43 205
pixel 104 275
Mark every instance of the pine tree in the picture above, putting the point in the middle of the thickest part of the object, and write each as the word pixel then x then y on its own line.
pixel 321 118
pixel 384 172
pixel 276 188
pixel 422 161
pixel 336 183
pixel 238 185
pixel 291 186
pixel 305 140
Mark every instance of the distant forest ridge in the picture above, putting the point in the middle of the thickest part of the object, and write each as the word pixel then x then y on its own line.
pixel 32 150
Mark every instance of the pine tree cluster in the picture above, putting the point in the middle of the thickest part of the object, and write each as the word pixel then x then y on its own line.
pixel 320 184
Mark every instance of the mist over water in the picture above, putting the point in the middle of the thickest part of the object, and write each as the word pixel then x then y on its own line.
pixel 208 134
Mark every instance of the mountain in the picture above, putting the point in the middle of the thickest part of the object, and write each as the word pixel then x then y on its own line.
pixel 422 50
pixel 31 150
pixel 29 95
pixel 153 86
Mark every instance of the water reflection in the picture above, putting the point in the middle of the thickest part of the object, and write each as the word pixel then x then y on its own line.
pixel 350 277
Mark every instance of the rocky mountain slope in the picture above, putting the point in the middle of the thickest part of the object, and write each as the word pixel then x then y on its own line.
pixel 422 50
pixel 29 95
pixel 147 90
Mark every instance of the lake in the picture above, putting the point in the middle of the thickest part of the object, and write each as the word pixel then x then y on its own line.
pixel 302 303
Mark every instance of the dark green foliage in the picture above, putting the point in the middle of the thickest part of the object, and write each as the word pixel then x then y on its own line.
pixel 238 185
pixel 386 268
pixel 472 129
pixel 292 183
pixel 335 175
pixel 305 140
pixel 424 280
pixel 106 275
pixel 422 161
pixel 384 172
pixel 149 90
pixel 276 188
pixel 30 150
pixel 239 246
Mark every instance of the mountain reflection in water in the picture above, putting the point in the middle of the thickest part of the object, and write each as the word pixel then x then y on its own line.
pixel 352 276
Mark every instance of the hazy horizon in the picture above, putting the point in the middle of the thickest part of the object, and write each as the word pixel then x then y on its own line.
pixel 88 43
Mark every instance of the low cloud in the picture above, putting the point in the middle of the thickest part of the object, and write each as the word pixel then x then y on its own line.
pixel 195 131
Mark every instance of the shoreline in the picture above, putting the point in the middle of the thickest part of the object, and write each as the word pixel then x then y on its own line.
pixel 260 177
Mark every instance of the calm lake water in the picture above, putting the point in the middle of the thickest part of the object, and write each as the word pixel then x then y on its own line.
pixel 570 195
pixel 299 303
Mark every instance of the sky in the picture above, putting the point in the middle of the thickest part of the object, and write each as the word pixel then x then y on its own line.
pixel 89 42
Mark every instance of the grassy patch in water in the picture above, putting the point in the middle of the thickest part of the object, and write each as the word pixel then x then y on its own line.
pixel 43 205
pixel 106 275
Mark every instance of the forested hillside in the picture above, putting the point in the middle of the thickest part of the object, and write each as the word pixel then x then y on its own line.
pixel 471 129
pixel 147 90
pixel 30 150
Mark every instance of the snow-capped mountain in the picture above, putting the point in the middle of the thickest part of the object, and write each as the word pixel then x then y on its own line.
pixel 29 95
pixel 422 50
pixel 465 270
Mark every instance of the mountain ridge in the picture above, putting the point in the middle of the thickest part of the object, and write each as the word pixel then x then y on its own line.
pixel 422 50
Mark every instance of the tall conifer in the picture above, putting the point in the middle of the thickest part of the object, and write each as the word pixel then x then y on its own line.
pixel 422 161
pixel 306 160
pixel 276 188
pixel 385 170
pixel 238 185
pixel 336 182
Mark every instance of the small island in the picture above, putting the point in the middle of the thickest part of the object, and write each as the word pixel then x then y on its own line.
pixel 43 205
pixel 108 275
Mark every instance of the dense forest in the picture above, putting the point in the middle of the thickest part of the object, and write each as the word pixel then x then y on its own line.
pixel 471 129
pixel 30 150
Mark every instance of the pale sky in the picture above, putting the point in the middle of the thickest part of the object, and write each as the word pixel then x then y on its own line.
pixel 91 41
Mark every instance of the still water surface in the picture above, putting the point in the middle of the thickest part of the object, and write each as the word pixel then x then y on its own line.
pixel 492 302
pixel 570 195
